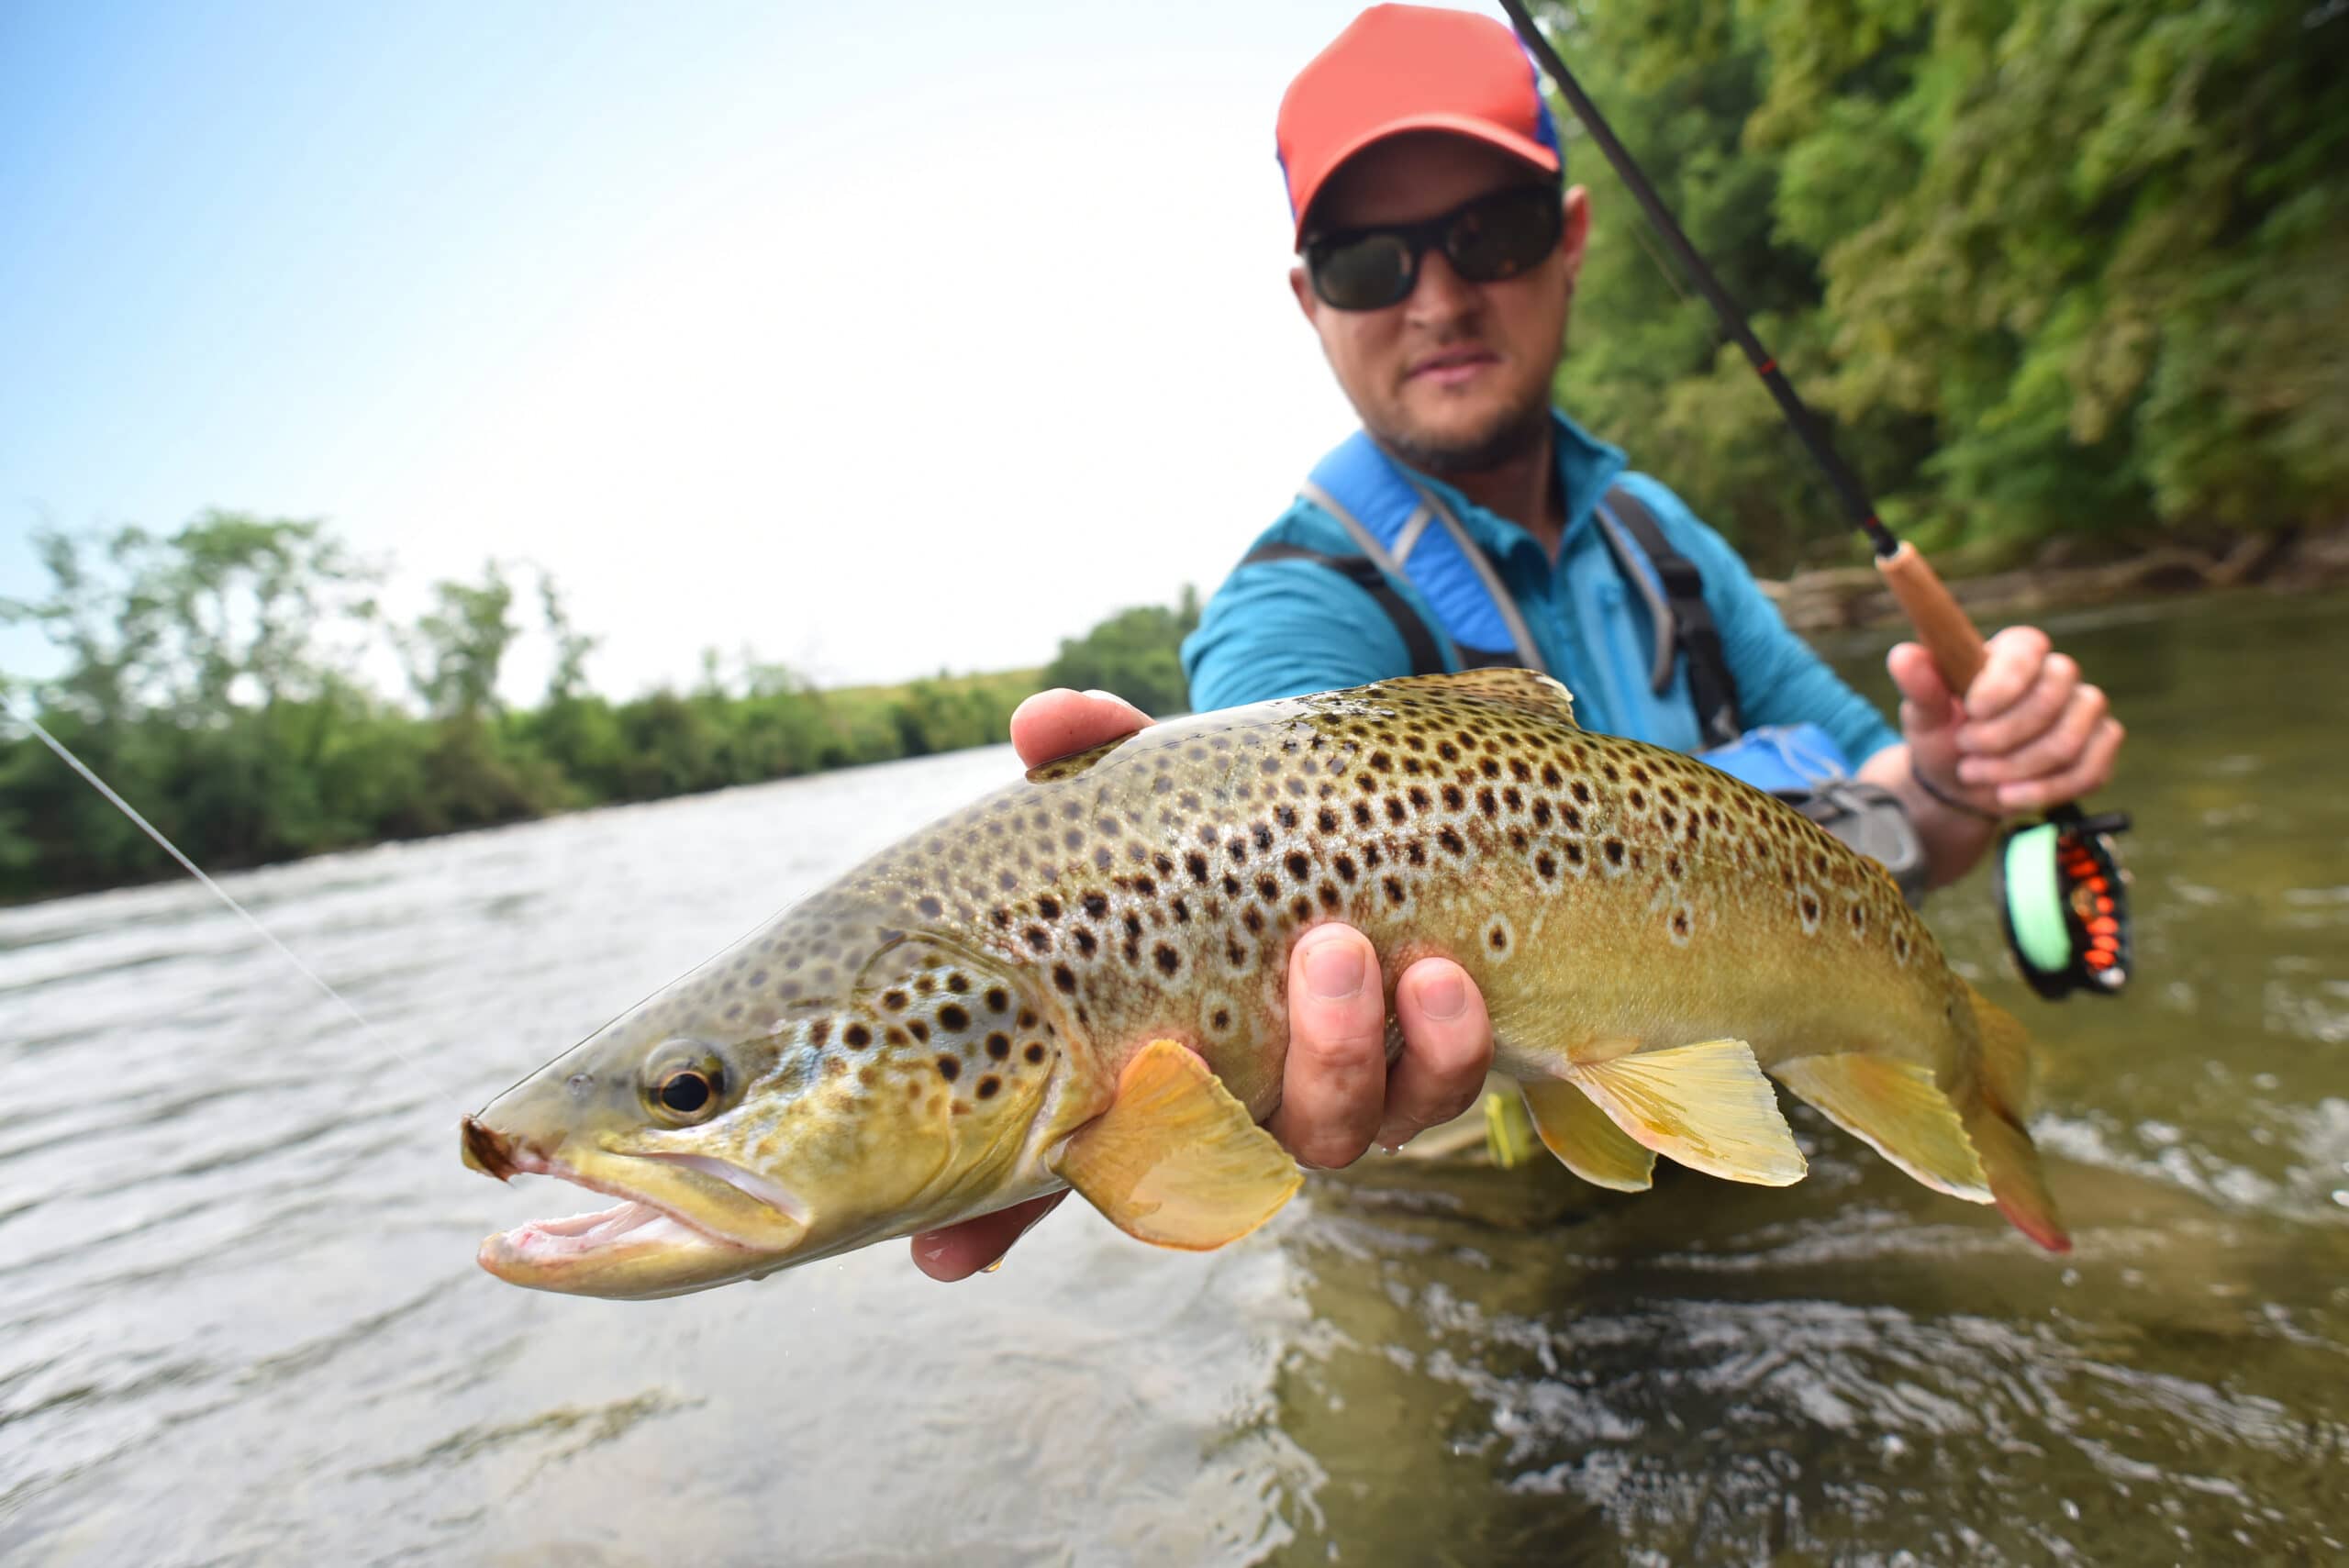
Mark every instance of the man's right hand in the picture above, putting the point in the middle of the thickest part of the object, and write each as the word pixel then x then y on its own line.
pixel 1338 1093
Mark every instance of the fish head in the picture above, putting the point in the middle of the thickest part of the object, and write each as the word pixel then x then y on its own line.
pixel 742 1138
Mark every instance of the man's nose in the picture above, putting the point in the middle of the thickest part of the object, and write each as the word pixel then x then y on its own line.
pixel 1439 294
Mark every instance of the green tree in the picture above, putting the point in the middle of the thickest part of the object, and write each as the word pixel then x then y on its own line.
pixel 1136 654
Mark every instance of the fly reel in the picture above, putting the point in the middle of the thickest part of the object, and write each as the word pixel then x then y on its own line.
pixel 2064 902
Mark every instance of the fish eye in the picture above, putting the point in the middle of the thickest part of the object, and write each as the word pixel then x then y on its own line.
pixel 682 1092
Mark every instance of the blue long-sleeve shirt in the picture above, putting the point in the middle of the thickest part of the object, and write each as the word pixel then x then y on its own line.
pixel 1283 627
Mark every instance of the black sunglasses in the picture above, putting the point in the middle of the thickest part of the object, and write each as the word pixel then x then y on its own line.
pixel 1497 235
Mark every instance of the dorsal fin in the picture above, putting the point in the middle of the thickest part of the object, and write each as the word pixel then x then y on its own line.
pixel 1527 691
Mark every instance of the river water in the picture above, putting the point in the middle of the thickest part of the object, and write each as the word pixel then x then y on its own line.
pixel 239 1321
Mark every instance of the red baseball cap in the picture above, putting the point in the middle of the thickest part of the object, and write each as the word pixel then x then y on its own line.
pixel 1399 67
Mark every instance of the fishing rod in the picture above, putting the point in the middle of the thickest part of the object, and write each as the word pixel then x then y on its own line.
pixel 2062 895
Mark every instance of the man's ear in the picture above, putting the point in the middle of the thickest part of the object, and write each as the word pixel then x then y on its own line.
pixel 1577 235
pixel 1302 286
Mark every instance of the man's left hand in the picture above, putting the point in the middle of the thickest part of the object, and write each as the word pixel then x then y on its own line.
pixel 2029 734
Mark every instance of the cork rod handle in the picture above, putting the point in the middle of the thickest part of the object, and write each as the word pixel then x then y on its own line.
pixel 1945 629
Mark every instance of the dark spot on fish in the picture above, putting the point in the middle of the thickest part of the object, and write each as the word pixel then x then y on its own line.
pixel 958 983
pixel 1253 919
pixel 1027 1017
pixel 1048 907
pixel 1486 803
pixel 919 1030
pixel 1614 848
pixel 1680 922
pixel 998 1045
pixel 819 1031
pixel 1393 890
pixel 949 1069
pixel 1300 909
pixel 1197 864
pixel 897 1037
pixel 1298 866
pixel 856 1036
pixel 929 906
pixel 1451 842
pixel 1035 1051
pixel 894 1001
pixel 1264 835
pixel 989 1085
pixel 1085 943
pixel 998 998
pixel 1810 910
pixel 1169 960
pixel 1064 977
pixel 1038 938
pixel 950 1016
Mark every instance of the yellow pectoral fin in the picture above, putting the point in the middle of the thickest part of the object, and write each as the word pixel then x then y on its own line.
pixel 1175 1159
pixel 1899 1110
pixel 1707 1106
pixel 1584 1141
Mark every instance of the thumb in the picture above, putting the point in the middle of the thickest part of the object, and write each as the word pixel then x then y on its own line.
pixel 1926 705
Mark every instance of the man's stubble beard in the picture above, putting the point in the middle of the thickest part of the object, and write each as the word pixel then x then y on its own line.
pixel 1515 434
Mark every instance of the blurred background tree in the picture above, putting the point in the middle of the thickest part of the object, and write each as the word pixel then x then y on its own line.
pixel 2049 266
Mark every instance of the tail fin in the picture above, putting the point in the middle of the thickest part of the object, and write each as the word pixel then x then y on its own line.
pixel 1994 1120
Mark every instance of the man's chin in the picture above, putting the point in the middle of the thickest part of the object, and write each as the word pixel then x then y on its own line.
pixel 1445 446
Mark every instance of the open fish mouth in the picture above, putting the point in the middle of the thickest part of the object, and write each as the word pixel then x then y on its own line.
pixel 638 1247
pixel 631 1222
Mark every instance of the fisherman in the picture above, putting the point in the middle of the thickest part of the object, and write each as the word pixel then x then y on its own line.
pixel 1470 522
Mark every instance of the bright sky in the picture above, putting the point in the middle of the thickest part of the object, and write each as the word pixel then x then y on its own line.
pixel 874 338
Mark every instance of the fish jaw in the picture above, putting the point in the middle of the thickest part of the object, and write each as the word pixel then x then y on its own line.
pixel 651 1244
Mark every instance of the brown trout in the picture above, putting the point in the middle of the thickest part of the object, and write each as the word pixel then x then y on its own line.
pixel 1079 981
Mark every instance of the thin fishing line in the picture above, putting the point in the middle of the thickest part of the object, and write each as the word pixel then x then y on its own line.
pixel 65 755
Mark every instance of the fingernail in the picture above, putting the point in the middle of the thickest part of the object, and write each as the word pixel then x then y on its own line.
pixel 1105 696
pixel 1444 999
pixel 1970 770
pixel 996 1264
pixel 1333 970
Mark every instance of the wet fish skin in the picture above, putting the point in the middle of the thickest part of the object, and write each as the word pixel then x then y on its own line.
pixel 940 1032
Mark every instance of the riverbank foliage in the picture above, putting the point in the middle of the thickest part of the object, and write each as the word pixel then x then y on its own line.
pixel 215 678
pixel 2045 266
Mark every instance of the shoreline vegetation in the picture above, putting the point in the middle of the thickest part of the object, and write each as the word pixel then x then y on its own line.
pixel 320 763
pixel 2063 279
